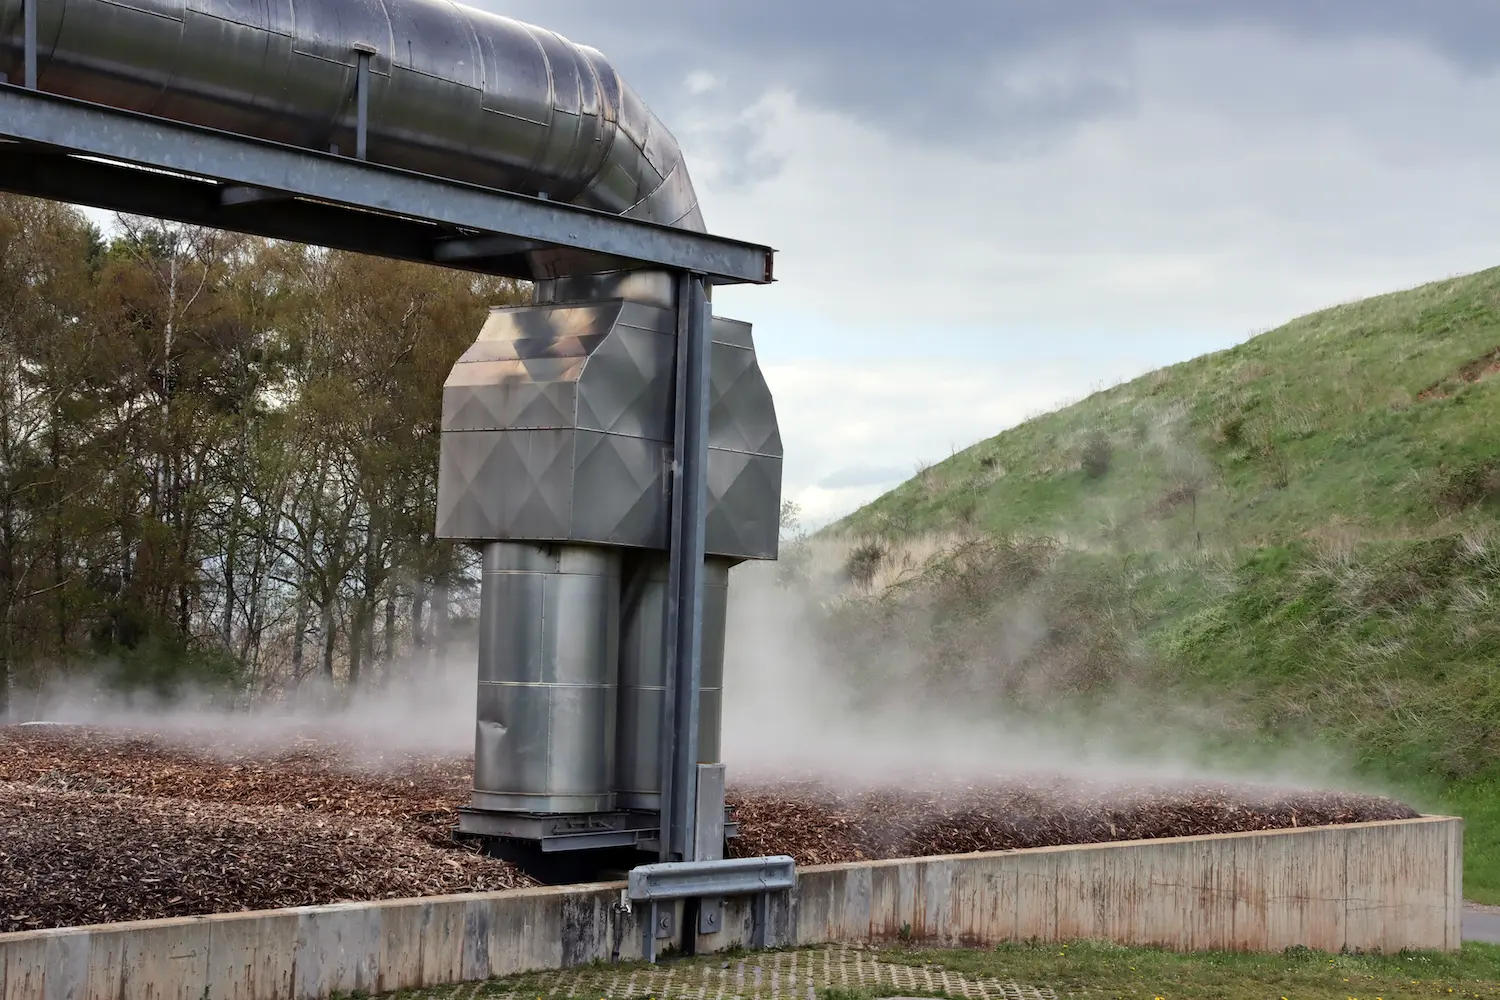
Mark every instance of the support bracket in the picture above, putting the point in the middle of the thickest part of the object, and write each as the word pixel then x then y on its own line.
pixel 364 52
pixel 708 839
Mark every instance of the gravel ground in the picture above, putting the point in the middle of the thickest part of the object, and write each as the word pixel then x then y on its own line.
pixel 98 826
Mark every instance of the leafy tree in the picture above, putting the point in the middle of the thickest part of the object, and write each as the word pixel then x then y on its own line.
pixel 218 455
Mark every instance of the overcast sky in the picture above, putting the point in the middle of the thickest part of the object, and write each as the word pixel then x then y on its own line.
pixel 984 208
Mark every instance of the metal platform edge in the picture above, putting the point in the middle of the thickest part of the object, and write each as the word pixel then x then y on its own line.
pixel 44 129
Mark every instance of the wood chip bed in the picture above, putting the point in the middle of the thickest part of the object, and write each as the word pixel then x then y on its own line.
pixel 102 826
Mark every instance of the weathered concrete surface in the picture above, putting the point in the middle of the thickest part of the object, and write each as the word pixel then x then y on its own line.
pixel 1363 887
pixel 1366 886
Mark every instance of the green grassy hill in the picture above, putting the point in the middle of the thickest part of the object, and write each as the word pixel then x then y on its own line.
pixel 1301 531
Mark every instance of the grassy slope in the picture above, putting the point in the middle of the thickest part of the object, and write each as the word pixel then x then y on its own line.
pixel 1107 971
pixel 1305 523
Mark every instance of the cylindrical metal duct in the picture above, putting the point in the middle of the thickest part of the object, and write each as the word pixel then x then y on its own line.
pixel 643 676
pixel 454 92
pixel 549 620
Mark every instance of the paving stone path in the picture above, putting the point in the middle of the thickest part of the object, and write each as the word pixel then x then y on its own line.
pixel 792 975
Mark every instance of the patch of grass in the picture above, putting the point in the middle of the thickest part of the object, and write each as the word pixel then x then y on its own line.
pixel 1081 969
pixel 1478 802
pixel 1321 415
pixel 1104 970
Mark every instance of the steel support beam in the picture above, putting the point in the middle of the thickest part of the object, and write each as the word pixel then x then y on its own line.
pixel 684 624
pixel 202 203
pixel 236 194
pixel 481 247
pixel 86 129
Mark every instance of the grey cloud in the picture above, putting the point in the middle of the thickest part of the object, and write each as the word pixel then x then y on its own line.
pixel 938 70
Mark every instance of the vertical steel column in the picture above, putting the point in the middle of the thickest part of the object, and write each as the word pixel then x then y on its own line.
pixel 362 100
pixel 684 612
pixel 669 727
pixel 29 41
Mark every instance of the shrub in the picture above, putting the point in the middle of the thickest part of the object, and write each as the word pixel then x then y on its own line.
pixel 166 670
pixel 1230 430
pixel 1097 454
pixel 864 561
pixel 965 508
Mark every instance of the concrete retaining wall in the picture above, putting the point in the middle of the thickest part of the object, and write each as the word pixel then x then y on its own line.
pixel 1367 886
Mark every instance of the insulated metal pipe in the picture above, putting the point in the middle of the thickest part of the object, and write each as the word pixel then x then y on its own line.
pixel 548 667
pixel 452 91
pixel 643 676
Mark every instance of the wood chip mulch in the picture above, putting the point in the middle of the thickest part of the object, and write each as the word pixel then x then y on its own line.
pixel 100 826
pixel 300 772
pixel 818 823
pixel 90 857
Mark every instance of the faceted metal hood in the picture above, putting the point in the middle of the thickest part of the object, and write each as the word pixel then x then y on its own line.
pixel 557 427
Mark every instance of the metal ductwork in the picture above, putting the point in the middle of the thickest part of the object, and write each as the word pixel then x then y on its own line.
pixel 557 427
pixel 567 426
pixel 453 91
pixel 556 459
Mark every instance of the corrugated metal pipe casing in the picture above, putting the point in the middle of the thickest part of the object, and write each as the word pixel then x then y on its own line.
pixel 643 676
pixel 556 457
pixel 557 427
pixel 549 645
pixel 454 92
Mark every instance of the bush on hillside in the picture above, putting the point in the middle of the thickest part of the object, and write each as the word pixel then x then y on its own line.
pixel 1468 485
pixel 1098 453
pixel 1230 430
pixel 864 561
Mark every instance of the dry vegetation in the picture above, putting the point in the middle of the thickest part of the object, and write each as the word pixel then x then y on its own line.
pixel 98 826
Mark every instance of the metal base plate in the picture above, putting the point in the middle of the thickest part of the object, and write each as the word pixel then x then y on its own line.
pixel 575 832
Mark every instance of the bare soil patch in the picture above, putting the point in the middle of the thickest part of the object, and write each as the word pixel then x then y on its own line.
pixel 1477 370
